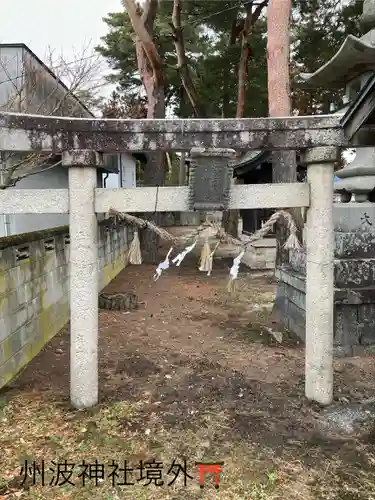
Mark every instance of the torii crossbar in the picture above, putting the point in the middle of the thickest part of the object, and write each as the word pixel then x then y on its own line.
pixel 81 142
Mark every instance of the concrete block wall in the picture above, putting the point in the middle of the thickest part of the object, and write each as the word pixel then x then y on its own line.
pixel 34 288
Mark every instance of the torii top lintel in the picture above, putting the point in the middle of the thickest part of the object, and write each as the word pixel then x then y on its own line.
pixel 22 132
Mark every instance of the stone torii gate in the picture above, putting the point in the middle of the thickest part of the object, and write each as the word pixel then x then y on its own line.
pixel 81 142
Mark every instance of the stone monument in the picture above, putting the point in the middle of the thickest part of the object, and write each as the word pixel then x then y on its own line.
pixel 354 217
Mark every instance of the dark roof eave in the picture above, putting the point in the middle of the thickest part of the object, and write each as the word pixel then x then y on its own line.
pixel 355 108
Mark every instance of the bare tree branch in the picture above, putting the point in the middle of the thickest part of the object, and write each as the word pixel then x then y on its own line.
pixel 150 9
pixel 36 91
pixel 139 26
pixel 150 64
pixel 151 68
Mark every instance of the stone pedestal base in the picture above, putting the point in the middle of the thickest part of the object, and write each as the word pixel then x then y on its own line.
pixel 354 279
pixel 354 314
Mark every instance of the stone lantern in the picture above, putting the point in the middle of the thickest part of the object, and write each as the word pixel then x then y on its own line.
pixel 350 68
pixel 354 267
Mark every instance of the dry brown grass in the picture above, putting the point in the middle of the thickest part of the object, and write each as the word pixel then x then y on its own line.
pixel 193 375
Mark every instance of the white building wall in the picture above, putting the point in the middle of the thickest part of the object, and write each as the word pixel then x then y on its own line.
pixel 11 78
pixel 126 177
pixel 26 86
pixel 56 178
pixel 127 171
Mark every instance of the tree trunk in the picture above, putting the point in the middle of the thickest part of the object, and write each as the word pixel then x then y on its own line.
pixel 227 68
pixel 243 74
pixel 154 174
pixel 150 68
pixel 243 67
pixel 231 217
pixel 278 50
pixel 284 164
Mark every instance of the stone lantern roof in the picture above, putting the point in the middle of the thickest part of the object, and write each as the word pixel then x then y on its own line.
pixel 353 67
pixel 355 57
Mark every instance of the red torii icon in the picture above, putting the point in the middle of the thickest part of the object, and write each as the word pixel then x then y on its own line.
pixel 212 468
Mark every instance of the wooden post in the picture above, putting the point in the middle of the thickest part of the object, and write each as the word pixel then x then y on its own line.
pixel 319 275
pixel 83 277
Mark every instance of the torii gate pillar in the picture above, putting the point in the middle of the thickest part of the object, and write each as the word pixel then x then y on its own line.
pixel 319 275
pixel 83 277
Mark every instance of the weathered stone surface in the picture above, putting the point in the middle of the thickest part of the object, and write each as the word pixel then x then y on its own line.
pixel 319 155
pixel 22 132
pixel 340 351
pixel 34 291
pixel 212 153
pixel 82 158
pixel 354 313
pixel 348 273
pixel 359 184
pixel 366 324
pixel 352 216
pixel 355 296
pixel 346 330
pixel 297 260
pixel 296 320
pixel 354 273
pixel 288 313
pixel 287 275
pixel 367 19
pixel 297 297
pixel 358 178
pixel 210 181
pixel 354 170
pixel 354 244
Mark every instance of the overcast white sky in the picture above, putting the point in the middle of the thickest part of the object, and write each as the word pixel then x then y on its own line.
pixel 66 25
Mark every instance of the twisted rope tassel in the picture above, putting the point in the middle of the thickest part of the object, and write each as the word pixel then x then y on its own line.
pixel 135 255
pixel 204 264
pixel 211 259
pixel 291 243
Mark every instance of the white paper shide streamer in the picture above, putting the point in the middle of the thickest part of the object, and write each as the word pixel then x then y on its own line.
pixel 180 257
pixel 233 273
pixel 163 265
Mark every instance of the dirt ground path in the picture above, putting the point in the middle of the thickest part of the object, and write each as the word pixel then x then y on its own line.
pixel 192 375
